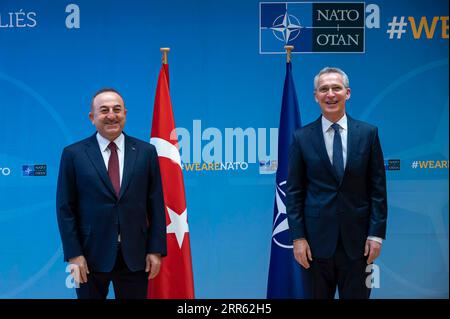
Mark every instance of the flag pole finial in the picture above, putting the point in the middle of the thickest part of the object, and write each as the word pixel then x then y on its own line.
pixel 288 49
pixel 164 51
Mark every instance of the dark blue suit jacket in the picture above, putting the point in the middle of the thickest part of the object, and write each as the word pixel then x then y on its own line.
pixel 320 206
pixel 90 214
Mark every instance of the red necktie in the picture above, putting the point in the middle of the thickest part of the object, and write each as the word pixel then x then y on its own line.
pixel 113 167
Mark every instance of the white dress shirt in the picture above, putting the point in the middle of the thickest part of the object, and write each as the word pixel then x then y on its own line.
pixel 328 135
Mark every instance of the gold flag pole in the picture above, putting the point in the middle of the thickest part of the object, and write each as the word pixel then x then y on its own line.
pixel 288 49
pixel 164 51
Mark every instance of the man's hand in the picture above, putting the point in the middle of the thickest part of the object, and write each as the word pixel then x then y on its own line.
pixel 372 249
pixel 152 265
pixel 79 269
pixel 302 252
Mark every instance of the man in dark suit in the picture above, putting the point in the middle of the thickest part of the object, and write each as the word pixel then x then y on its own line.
pixel 336 194
pixel 110 206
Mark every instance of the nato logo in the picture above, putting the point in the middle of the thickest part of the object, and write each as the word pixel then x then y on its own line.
pixel 311 27
pixel 34 170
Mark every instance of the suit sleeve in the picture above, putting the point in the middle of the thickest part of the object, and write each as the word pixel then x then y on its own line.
pixel 156 236
pixel 296 191
pixel 377 189
pixel 66 207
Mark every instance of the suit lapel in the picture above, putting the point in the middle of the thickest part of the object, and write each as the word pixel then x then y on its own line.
pixel 319 144
pixel 353 142
pixel 129 161
pixel 94 154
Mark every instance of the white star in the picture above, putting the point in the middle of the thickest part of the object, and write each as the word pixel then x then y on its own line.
pixel 178 225
pixel 286 28
pixel 281 208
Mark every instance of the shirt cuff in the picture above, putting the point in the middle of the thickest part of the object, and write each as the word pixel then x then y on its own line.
pixel 377 239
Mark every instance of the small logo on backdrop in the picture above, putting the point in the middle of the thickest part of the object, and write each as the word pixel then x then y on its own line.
pixel 268 167
pixel 311 27
pixel 392 164
pixel 34 170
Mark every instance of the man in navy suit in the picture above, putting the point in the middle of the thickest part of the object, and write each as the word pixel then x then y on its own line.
pixel 110 206
pixel 336 194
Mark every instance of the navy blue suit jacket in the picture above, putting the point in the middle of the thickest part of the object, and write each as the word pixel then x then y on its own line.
pixel 90 213
pixel 320 206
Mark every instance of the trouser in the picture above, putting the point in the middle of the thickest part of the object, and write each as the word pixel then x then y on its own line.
pixel 348 275
pixel 127 284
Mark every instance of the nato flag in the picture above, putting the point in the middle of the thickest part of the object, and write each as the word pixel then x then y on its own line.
pixel 286 277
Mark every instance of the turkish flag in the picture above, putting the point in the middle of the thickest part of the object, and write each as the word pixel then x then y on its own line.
pixel 175 279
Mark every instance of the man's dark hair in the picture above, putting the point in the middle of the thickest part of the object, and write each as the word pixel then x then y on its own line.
pixel 103 91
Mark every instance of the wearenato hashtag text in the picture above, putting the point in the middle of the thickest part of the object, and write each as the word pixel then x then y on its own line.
pixel 440 164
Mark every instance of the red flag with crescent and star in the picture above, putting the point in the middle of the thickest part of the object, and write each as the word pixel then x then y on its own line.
pixel 175 279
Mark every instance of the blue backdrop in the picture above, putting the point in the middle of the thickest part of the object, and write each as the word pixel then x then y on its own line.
pixel 221 80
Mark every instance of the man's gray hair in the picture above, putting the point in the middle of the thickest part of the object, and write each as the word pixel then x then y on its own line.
pixel 331 70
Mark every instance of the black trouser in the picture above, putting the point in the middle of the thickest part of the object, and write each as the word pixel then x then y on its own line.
pixel 127 284
pixel 348 275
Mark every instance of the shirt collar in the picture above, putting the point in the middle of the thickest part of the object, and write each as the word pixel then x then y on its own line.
pixel 326 124
pixel 104 142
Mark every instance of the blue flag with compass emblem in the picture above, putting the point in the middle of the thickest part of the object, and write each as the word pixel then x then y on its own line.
pixel 286 277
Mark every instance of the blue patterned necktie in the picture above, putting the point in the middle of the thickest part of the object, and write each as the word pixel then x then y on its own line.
pixel 338 158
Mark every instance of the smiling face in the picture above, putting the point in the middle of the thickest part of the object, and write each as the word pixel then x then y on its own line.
pixel 108 114
pixel 331 94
